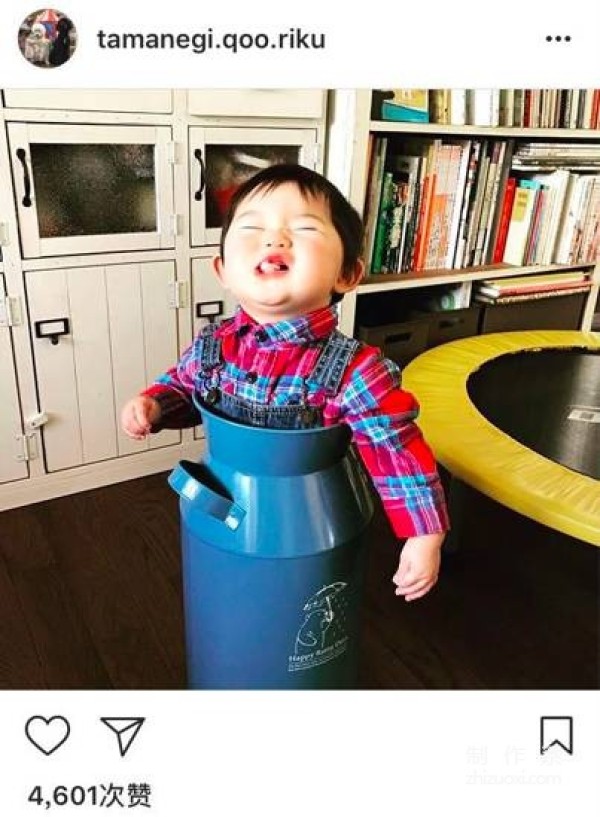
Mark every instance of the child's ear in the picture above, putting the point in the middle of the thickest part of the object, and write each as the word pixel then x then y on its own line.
pixel 347 281
pixel 217 263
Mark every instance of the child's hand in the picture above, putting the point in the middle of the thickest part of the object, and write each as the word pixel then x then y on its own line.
pixel 419 566
pixel 138 416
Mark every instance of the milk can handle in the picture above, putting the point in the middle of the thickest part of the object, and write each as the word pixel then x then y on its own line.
pixel 203 498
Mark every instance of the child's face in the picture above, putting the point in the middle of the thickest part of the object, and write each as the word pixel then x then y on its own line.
pixel 283 256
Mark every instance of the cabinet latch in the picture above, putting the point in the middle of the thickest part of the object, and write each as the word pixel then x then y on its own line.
pixel 178 295
pixel 27 447
pixel 11 313
pixel 173 153
pixel 37 421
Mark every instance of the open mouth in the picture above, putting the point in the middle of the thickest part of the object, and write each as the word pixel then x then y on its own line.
pixel 272 265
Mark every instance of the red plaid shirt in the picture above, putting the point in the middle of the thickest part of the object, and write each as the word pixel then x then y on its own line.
pixel 268 364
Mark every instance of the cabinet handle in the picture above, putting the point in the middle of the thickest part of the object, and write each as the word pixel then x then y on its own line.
pixel 22 157
pixel 398 338
pixel 200 190
pixel 53 329
pixel 448 323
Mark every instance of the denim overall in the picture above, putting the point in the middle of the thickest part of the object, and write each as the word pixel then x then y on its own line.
pixel 273 521
pixel 324 380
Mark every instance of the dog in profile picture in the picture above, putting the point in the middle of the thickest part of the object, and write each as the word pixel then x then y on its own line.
pixel 47 38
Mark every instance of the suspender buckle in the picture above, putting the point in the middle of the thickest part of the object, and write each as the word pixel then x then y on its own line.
pixel 212 396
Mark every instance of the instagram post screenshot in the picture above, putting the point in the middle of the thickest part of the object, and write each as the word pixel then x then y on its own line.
pixel 300 409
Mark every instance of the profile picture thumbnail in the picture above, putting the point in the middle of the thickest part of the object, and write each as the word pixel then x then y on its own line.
pixel 47 38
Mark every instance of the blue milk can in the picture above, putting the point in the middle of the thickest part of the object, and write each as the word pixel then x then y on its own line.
pixel 273 551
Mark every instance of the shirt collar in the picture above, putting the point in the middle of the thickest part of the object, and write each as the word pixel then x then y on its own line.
pixel 304 329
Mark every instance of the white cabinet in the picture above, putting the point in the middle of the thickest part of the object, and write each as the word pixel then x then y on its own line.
pixel 91 188
pixel 100 335
pixel 209 299
pixel 145 100
pixel 221 159
pixel 265 102
pixel 111 207
pixel 12 464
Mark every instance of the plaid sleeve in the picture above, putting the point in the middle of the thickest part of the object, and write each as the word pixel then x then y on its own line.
pixel 173 391
pixel 382 418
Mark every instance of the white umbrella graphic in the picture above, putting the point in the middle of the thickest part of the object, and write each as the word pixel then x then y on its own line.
pixel 322 598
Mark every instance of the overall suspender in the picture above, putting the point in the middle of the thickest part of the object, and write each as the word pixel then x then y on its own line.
pixel 327 374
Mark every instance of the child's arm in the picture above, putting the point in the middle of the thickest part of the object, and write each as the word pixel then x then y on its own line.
pixel 167 403
pixel 139 415
pixel 402 467
pixel 419 566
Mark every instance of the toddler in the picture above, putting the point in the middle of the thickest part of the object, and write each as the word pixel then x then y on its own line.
pixel 290 249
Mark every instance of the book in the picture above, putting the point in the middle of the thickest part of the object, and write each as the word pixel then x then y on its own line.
pixel 575 254
pixel 383 221
pixel 504 167
pixel 572 121
pixel 531 296
pixel 506 209
pixel 534 230
pixel 520 222
pixel 474 214
pixel 569 219
pixel 439 202
pixel 556 184
pixel 439 106
pixel 590 227
pixel 458 106
pixel 407 169
pixel 483 106
pixel 518 108
pixel 378 157
pixel 492 293
pixel 396 226
pixel 532 283
pixel 507 99
pixel 411 167
pixel 457 198
pixel 405 105
pixel 467 204
pixel 489 201
pixel 428 182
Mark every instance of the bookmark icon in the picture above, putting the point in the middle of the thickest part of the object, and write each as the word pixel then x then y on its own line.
pixel 126 730
pixel 556 731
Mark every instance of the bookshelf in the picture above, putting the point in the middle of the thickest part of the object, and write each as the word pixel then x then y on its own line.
pixel 353 134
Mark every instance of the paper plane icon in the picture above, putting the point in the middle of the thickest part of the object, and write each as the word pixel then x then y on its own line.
pixel 126 730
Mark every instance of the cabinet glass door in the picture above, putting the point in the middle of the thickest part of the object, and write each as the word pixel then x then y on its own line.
pixel 11 426
pixel 90 189
pixel 222 159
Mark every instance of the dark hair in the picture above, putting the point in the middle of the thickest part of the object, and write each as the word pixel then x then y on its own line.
pixel 345 219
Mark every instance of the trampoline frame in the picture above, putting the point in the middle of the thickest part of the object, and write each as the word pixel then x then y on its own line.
pixel 484 457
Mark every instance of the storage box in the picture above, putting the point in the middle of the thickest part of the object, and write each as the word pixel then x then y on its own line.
pixel 401 342
pixel 452 325
pixel 558 312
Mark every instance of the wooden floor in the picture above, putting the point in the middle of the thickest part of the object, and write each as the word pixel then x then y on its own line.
pixel 90 598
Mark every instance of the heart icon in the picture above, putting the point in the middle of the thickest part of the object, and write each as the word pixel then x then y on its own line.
pixel 47 734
